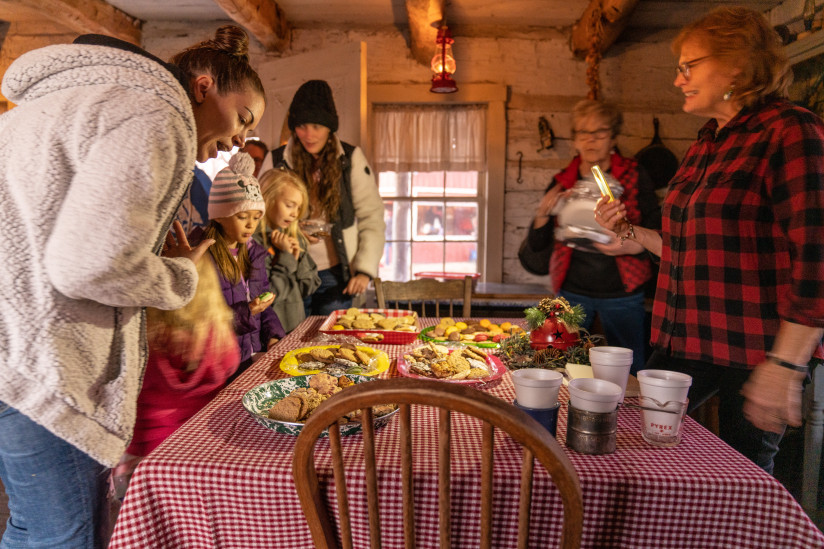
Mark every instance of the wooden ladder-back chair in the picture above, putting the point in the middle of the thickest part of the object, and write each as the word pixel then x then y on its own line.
pixel 495 413
pixel 401 295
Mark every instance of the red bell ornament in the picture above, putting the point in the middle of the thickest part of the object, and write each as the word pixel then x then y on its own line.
pixel 554 333
pixel 554 323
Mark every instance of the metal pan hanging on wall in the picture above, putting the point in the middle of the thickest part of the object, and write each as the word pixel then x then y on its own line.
pixel 660 162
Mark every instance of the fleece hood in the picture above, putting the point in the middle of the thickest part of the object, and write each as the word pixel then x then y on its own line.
pixel 55 68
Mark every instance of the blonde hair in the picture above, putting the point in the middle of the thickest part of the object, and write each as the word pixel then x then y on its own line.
pixel 606 112
pixel 742 38
pixel 273 183
pixel 187 330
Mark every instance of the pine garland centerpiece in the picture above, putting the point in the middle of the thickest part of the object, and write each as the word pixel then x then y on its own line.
pixel 554 338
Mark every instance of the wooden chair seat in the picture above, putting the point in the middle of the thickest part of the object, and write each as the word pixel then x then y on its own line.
pixel 495 413
pixel 401 295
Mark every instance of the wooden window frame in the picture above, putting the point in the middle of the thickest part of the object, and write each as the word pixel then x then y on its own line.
pixel 494 97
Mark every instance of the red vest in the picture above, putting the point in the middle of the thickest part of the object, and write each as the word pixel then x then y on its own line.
pixel 634 270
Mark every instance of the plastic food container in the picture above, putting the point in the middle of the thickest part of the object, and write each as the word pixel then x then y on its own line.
pixel 317 228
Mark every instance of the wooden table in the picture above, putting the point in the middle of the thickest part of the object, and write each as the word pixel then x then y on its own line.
pixel 223 480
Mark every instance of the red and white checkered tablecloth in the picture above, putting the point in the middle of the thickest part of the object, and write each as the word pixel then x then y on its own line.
pixel 223 480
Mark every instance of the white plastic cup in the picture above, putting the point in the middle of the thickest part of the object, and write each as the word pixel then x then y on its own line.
pixel 664 385
pixel 665 390
pixel 536 387
pixel 611 364
pixel 594 395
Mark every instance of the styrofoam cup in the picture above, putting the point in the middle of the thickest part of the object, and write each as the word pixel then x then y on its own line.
pixel 611 364
pixel 664 385
pixel 536 387
pixel 594 395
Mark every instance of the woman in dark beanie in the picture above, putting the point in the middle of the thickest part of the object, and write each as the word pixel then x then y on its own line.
pixel 342 191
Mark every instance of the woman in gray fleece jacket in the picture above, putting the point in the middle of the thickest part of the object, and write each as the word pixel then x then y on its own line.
pixel 94 161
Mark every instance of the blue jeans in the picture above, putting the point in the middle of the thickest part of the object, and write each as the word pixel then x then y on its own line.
pixel 758 446
pixel 57 493
pixel 622 319
pixel 329 296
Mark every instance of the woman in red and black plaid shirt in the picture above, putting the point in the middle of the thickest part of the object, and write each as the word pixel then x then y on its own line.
pixel 740 297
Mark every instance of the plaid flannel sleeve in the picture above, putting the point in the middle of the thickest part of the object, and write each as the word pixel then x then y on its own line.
pixel 798 200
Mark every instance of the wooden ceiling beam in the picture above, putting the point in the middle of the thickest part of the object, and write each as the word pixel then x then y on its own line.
pixel 81 16
pixel 601 23
pixel 263 18
pixel 421 14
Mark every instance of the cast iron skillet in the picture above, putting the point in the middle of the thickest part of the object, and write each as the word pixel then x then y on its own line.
pixel 658 160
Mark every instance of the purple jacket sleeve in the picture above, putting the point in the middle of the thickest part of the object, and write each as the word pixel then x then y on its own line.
pixel 270 325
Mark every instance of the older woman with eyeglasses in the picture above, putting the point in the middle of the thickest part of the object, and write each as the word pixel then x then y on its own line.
pixel 740 298
pixel 589 266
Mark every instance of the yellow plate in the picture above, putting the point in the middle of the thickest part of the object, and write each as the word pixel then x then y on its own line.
pixel 289 364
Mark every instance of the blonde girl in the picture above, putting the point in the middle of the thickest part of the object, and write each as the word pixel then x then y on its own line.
pixel 292 272
pixel 192 352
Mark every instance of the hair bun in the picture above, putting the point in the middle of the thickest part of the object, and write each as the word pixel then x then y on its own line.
pixel 233 40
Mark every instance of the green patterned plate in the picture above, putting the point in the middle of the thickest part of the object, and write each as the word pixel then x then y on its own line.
pixel 258 401
pixel 483 344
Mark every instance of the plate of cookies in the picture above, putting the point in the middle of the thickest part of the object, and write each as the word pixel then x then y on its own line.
pixel 479 333
pixel 392 326
pixel 283 405
pixel 466 365
pixel 345 358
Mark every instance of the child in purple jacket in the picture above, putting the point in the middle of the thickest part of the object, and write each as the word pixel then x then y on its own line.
pixel 235 209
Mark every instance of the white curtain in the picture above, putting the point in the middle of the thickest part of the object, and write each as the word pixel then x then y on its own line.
pixel 424 138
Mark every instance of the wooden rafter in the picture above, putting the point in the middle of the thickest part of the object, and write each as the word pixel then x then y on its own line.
pixel 81 16
pixel 421 15
pixel 612 17
pixel 263 18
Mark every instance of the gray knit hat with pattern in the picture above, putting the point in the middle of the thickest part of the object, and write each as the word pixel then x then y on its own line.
pixel 235 189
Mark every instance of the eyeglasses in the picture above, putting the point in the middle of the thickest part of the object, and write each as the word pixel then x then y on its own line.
pixel 684 68
pixel 600 133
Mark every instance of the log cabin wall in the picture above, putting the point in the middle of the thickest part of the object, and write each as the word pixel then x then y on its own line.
pixel 543 79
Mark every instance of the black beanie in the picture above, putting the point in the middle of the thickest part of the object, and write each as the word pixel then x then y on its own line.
pixel 313 104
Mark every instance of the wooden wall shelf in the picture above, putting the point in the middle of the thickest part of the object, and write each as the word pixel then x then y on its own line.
pixel 807 47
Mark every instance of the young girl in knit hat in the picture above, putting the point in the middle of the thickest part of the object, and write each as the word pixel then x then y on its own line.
pixel 235 209
pixel 293 274
pixel 192 352
pixel 342 191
